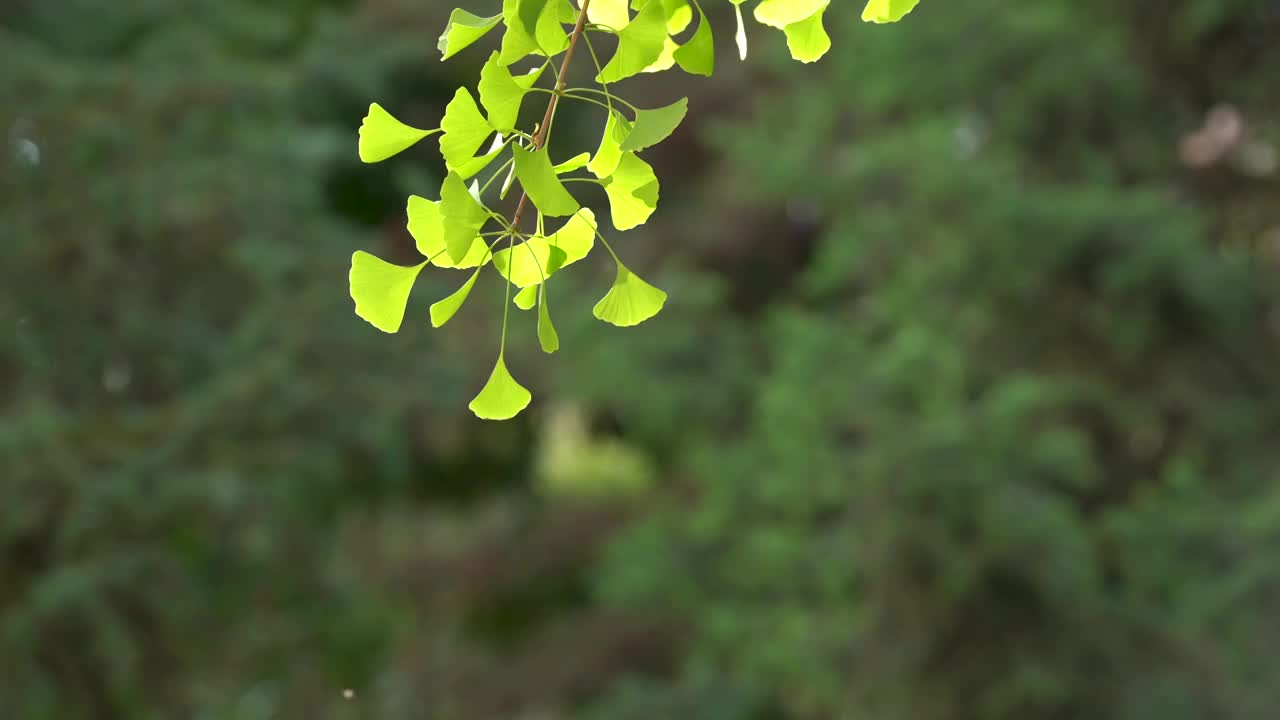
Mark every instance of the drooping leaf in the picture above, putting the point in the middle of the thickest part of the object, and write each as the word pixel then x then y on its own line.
pixel 444 310
pixel 633 192
pixel 464 29
pixel 808 39
pixel 462 217
pixel 382 136
pixel 381 290
pixel 533 27
pixel 548 338
pixel 605 161
pixel 630 301
pixel 666 59
pixel 502 398
pixel 698 55
pixel 887 11
pixel 527 297
pixel 427 228
pixel 640 44
pixel 530 262
pixel 539 180
pixel 653 126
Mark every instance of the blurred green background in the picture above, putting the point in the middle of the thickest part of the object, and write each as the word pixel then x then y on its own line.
pixel 966 404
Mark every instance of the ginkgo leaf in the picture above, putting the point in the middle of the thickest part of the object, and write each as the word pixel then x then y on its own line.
pixel 469 168
pixel 381 290
pixel 666 59
pixel 461 216
pixel 529 263
pixel 698 55
pixel 612 14
pixel 781 13
pixel 501 94
pixel 502 398
pixel 427 228
pixel 653 126
pixel 576 237
pixel 548 338
pixel 527 298
pixel 382 136
pixel 465 129
pixel 577 162
pixel 630 301
pixel 679 15
pixel 640 44
pixel 633 192
pixel 533 27
pixel 888 11
pixel 605 161
pixel 464 29
pixel 808 39
pixel 444 310
pixel 539 180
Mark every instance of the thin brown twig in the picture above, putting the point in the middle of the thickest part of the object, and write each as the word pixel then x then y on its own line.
pixel 540 137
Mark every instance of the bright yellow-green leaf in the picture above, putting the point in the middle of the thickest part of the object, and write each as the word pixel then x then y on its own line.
pixel 501 94
pixel 610 13
pixel 547 336
pixel 461 215
pixel 640 44
pixel 808 39
pixel 698 55
pixel 781 13
pixel 653 126
pixel 540 257
pixel 527 298
pixel 502 397
pixel 470 167
pixel 667 59
pixel 464 29
pixel 577 162
pixel 381 290
pixel 616 130
pixel 465 129
pixel 887 11
pixel 444 310
pixel 576 237
pixel 633 192
pixel 679 15
pixel 427 228
pixel 539 180
pixel 382 136
pixel 533 27
pixel 630 301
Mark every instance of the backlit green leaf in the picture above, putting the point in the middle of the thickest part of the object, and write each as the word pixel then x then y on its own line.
pixel 653 126
pixel 577 162
pixel 427 228
pixel 501 94
pixel 539 180
pixel 640 44
pixel 887 11
pixel 527 298
pixel 633 192
pixel 444 310
pixel 464 29
pixel 808 39
pixel 381 290
pixel 679 15
pixel 382 136
pixel 465 129
pixel 610 13
pixel 630 301
pixel 547 336
pixel 781 13
pixel 698 55
pixel 462 217
pixel 616 130
pixel 502 397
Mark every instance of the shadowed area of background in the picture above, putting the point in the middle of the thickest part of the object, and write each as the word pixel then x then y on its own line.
pixel 965 406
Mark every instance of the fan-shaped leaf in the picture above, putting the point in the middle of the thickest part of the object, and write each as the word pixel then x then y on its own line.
pixel 381 290
pixel 502 398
